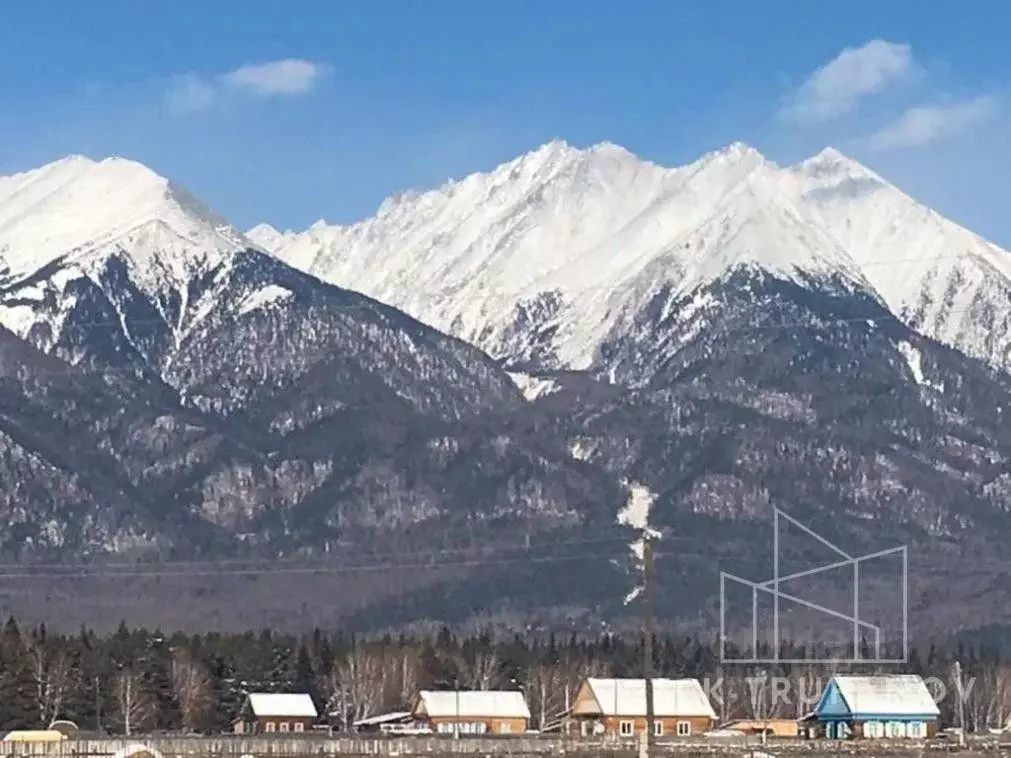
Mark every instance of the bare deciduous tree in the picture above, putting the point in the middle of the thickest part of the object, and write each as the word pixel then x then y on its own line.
pixel 52 675
pixel 543 685
pixel 403 675
pixel 355 686
pixel 480 671
pixel 551 688
pixel 137 709
pixel 192 688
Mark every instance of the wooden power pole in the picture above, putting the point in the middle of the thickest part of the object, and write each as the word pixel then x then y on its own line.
pixel 646 744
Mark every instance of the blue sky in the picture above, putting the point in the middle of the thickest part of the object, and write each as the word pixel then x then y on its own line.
pixel 287 112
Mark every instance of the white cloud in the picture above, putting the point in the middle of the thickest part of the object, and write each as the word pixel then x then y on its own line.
pixel 190 93
pixel 926 123
pixel 286 77
pixel 283 78
pixel 834 89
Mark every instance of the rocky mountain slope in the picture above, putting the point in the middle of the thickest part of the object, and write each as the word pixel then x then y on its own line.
pixel 684 347
pixel 314 416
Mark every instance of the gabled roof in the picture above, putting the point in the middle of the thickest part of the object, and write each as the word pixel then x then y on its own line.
pixel 671 697
pixel 294 705
pixel 895 695
pixel 487 703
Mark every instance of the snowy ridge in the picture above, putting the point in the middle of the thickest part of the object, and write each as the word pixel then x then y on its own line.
pixel 84 220
pixel 547 256
pixel 77 207
pixel 942 279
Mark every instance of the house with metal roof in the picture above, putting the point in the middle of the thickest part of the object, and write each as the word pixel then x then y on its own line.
pixel 269 712
pixel 891 707
pixel 617 707
pixel 472 712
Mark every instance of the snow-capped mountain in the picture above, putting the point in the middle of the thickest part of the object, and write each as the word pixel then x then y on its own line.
pixel 280 411
pixel 938 277
pixel 77 215
pixel 552 255
pixel 171 385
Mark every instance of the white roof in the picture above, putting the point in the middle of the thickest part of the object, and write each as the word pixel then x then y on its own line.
pixel 671 697
pixel 383 718
pixel 898 695
pixel 271 704
pixel 488 703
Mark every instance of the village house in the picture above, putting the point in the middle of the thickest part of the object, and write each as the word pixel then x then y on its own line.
pixel 267 713
pixel 617 707
pixel 890 707
pixel 472 712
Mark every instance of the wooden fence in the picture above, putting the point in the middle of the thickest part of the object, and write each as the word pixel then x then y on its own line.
pixel 518 746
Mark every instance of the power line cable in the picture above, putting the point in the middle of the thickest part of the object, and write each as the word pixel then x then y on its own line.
pixel 283 560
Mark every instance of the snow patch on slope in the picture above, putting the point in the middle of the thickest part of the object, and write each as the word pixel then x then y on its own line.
pixel 635 514
pixel 914 359
pixel 533 387
pixel 263 298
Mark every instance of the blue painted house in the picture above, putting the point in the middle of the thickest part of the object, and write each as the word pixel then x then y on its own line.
pixel 875 707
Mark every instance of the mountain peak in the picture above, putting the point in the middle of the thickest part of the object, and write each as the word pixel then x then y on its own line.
pixel 832 163
pixel 735 151
pixel 76 206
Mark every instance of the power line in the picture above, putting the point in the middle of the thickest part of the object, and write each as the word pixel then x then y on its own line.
pixel 319 569
pixel 271 561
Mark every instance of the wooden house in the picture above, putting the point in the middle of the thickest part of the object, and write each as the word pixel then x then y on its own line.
pixel 472 712
pixel 268 713
pixel 874 707
pixel 617 707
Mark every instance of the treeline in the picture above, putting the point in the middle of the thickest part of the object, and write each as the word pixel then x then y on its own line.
pixel 137 681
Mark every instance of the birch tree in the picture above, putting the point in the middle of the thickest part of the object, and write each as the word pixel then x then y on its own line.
pixel 480 671
pixel 356 684
pixel 137 708
pixel 192 688
pixel 51 675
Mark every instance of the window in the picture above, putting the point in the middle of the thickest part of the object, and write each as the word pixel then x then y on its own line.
pixel 684 728
pixel 271 726
pixel 445 728
pixel 505 727
pixel 917 729
pixel 658 729
pixel 298 726
pixel 284 726
pixel 625 728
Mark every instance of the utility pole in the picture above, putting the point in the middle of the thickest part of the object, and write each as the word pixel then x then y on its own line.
pixel 957 673
pixel 646 744
pixel 98 705
pixel 128 702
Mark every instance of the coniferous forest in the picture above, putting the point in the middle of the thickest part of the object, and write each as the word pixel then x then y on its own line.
pixel 158 682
